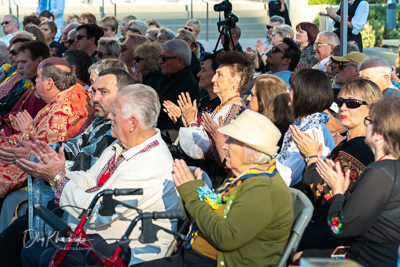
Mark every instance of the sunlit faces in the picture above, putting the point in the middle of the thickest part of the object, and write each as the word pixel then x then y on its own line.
pixel 253 101
pixel 26 66
pixel 222 80
pixel 104 93
pixel 48 34
pixel 376 75
pixel 301 37
pixel 270 28
pixel 321 48
pixel 206 75
pixel 353 117
pixel 8 25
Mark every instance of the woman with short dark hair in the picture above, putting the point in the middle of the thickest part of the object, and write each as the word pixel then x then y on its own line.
pixel 305 37
pixel 309 95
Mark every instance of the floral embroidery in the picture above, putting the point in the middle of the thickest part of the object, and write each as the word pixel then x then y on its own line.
pixel 210 197
pixel 8 69
pixel 336 224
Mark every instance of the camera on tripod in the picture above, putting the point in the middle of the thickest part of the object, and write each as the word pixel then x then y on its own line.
pixel 228 23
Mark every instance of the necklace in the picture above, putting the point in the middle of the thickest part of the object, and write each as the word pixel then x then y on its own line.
pixel 381 158
pixel 221 106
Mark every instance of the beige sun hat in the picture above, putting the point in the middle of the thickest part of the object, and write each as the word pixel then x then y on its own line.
pixel 255 130
pixel 356 57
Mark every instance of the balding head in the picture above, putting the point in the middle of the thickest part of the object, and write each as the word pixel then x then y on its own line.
pixel 59 71
pixel 376 69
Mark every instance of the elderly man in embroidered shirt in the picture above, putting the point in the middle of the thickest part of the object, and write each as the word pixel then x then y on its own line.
pixel 128 163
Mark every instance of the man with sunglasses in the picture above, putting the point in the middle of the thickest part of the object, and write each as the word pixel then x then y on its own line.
pixel 346 68
pixel 175 65
pixel 378 70
pixel 273 21
pixel 283 58
pixel 87 37
pixel 10 26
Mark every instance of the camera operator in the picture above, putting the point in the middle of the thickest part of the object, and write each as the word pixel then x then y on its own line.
pixel 235 33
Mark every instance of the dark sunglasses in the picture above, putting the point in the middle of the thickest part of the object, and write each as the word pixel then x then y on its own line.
pixel 164 58
pixel 188 29
pixel 341 65
pixel 70 42
pixel 124 48
pixel 133 30
pixel 101 54
pixel 276 49
pixel 367 121
pixel 5 22
pixel 80 36
pixel 351 103
pixel 13 53
pixel 138 59
pixel 269 27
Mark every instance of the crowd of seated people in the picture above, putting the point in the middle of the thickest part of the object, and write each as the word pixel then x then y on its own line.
pixel 133 104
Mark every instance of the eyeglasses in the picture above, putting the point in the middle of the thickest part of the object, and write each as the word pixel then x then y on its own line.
pixel 164 58
pixel 101 54
pixel 367 121
pixel 276 49
pixel 124 48
pixel 80 36
pixel 138 59
pixel 188 29
pixel 70 42
pixel 13 53
pixel 275 34
pixel 351 103
pixel 319 45
pixel 5 22
pixel 269 27
pixel 341 65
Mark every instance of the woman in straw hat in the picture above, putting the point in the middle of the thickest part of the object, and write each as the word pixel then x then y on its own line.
pixel 220 231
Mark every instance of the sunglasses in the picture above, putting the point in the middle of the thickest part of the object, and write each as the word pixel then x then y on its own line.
pixel 269 27
pixel 13 53
pixel 124 48
pixel 5 22
pixel 276 49
pixel 138 59
pixel 341 65
pixel 367 121
pixel 101 54
pixel 164 58
pixel 188 29
pixel 351 103
pixel 133 30
pixel 80 36
pixel 70 42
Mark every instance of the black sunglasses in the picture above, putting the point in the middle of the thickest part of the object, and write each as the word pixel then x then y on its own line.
pixel 80 36
pixel 276 49
pixel 188 29
pixel 5 22
pixel 70 42
pixel 164 58
pixel 13 53
pixel 138 59
pixel 269 27
pixel 366 119
pixel 101 54
pixel 341 65
pixel 351 103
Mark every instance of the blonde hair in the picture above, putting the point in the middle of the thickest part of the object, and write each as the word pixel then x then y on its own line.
pixel 139 25
pixel 109 21
pixel 150 52
pixel 195 24
pixel 189 36
pixel 366 89
pixel 284 31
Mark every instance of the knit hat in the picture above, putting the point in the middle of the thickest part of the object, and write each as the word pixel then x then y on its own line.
pixel 255 130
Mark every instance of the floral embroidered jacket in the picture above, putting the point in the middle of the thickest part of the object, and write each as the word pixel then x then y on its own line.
pixel 59 120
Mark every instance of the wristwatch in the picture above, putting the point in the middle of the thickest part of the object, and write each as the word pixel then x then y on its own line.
pixel 337 18
pixel 53 181
pixel 310 157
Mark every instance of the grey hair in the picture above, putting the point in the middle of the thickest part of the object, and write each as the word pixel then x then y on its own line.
pixel 14 18
pixel 331 38
pixel 284 31
pixel 179 48
pixel 107 63
pixel 4 53
pixel 250 156
pixel 142 102
pixel 375 62
pixel 277 18
pixel 72 32
pixel 170 34
pixel 139 25
pixel 112 46
pixel 351 47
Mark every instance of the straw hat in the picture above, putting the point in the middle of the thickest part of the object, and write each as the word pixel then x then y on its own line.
pixel 255 130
